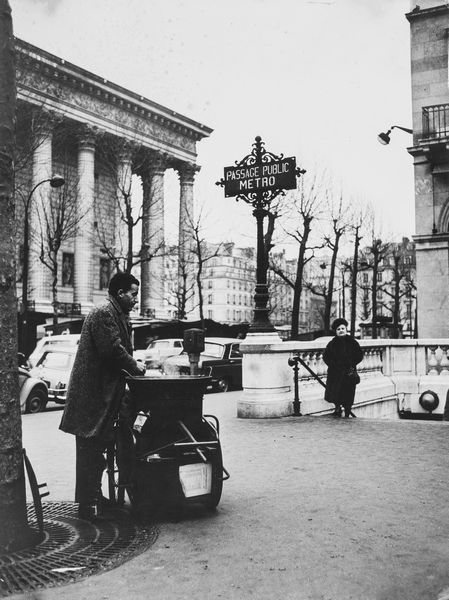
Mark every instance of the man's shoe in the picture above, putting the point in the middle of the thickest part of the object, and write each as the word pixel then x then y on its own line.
pixel 89 512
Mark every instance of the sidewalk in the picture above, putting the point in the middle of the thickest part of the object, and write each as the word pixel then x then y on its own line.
pixel 316 509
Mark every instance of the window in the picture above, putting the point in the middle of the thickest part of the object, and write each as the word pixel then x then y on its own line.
pixel 379 277
pixel 209 299
pixel 105 273
pixel 68 263
pixel 365 277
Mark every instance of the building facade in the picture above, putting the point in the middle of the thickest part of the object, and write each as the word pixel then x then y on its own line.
pixel 429 25
pixel 97 136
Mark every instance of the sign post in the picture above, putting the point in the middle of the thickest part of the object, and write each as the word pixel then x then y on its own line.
pixel 258 179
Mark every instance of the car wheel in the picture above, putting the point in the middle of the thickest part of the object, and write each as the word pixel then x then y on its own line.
pixel 222 384
pixel 36 401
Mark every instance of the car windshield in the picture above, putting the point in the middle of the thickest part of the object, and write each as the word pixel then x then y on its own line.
pixel 212 349
pixel 158 344
pixel 55 360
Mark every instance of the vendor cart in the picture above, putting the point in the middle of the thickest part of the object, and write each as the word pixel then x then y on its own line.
pixel 169 455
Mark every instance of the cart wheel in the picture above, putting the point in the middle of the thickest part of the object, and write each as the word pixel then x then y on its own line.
pixel 119 460
pixel 217 480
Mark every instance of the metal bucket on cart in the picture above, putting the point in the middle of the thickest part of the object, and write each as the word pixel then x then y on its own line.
pixel 174 458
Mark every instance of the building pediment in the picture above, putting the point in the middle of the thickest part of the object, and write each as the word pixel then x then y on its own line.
pixel 49 81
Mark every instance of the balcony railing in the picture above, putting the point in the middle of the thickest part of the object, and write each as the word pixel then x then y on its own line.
pixel 435 121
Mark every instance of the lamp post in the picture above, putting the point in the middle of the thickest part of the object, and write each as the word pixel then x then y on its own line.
pixel 384 137
pixel 55 182
pixel 258 179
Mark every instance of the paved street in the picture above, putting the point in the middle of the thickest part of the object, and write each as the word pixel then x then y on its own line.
pixel 316 508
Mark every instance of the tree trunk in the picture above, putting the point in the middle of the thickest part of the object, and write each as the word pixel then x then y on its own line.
pixel 54 287
pixel 14 530
pixel 355 270
pixel 299 281
pixel 374 299
pixel 328 298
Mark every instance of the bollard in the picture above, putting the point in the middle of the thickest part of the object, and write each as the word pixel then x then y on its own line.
pixel 293 362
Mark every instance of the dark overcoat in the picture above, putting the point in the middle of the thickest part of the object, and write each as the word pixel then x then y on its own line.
pixel 340 355
pixel 97 384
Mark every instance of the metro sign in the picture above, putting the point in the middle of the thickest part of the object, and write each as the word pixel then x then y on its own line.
pixel 261 177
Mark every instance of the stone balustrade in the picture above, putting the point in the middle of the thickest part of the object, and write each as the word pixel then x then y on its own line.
pixel 394 374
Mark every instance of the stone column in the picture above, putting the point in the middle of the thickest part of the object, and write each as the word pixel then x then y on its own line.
pixel 153 239
pixel 83 281
pixel 38 275
pixel 185 237
pixel 124 175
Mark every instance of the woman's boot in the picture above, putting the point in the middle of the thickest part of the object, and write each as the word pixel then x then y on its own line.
pixel 337 411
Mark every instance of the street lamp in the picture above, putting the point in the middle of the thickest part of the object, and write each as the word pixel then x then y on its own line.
pixel 55 182
pixel 384 138
pixel 259 182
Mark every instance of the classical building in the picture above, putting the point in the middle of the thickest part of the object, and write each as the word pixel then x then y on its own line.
pixel 98 136
pixel 429 26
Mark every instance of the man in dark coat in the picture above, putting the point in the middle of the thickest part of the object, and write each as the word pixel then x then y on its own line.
pixel 97 386
pixel 341 355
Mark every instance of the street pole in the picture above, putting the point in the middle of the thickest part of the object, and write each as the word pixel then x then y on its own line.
pixel 55 182
pixel 258 179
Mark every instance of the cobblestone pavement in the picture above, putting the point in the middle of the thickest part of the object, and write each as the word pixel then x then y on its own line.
pixel 316 509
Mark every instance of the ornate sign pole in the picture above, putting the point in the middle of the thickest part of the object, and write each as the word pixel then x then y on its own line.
pixel 258 179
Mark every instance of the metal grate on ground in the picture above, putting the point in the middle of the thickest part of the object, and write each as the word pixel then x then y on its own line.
pixel 73 548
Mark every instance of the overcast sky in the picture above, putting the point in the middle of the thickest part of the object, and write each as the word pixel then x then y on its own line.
pixel 316 79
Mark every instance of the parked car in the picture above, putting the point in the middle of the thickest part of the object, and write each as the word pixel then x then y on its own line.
pixel 158 351
pixel 52 341
pixel 221 360
pixel 54 368
pixel 33 392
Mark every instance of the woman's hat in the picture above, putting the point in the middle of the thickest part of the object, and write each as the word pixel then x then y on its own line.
pixel 339 322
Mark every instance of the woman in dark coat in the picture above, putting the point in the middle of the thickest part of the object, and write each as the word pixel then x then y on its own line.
pixel 341 354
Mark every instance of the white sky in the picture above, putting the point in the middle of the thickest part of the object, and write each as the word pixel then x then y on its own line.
pixel 315 79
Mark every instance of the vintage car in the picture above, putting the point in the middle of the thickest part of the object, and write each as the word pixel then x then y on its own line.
pixel 52 341
pixel 158 351
pixel 54 368
pixel 221 360
pixel 33 392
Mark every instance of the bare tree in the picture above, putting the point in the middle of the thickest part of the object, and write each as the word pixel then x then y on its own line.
pixel 353 265
pixel 184 288
pixel 120 158
pixel 306 206
pixel 339 222
pixel 400 284
pixel 375 254
pixel 59 222
pixel 14 530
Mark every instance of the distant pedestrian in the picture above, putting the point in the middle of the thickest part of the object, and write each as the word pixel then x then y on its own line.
pixel 97 386
pixel 341 356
